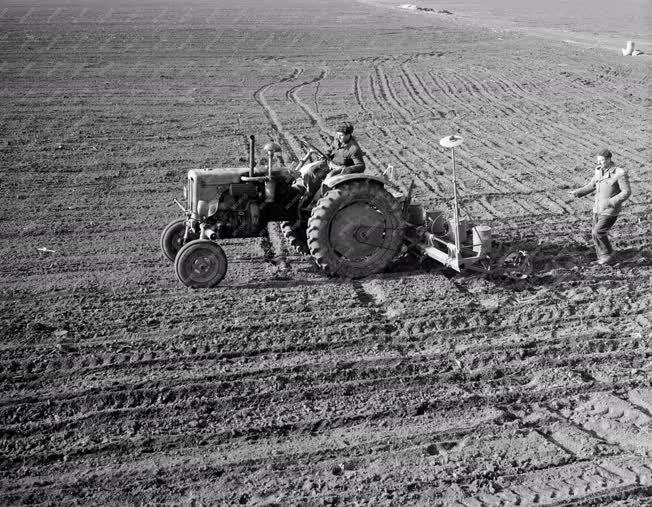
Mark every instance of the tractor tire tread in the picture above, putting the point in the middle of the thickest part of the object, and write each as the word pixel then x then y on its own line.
pixel 295 235
pixel 328 206
pixel 168 242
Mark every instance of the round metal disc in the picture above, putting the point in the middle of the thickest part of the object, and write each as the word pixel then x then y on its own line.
pixel 200 263
pixel 451 141
pixel 357 231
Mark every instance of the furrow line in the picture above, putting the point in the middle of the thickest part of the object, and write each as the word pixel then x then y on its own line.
pixel 290 144
pixel 292 94
pixel 236 391
pixel 389 95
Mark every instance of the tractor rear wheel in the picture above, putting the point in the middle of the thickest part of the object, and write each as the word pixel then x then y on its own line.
pixel 295 234
pixel 172 238
pixel 200 264
pixel 355 230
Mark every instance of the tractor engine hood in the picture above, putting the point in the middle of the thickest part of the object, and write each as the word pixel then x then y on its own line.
pixel 222 176
pixel 204 186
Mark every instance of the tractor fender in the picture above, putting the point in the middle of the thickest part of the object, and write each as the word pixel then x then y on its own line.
pixel 335 181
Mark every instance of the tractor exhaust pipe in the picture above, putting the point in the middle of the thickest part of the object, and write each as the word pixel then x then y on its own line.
pixel 252 143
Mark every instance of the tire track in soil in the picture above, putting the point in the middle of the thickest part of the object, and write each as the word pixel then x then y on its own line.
pixel 188 352
pixel 293 95
pixel 497 141
pixel 421 89
pixel 430 182
pixel 385 402
pixel 317 447
pixel 252 428
pixel 481 320
pixel 421 175
pixel 408 80
pixel 292 146
pixel 398 104
pixel 315 118
pixel 479 177
pixel 477 90
pixel 482 134
pixel 286 139
pixel 380 97
pixel 589 480
pixel 616 421
pixel 609 479
pixel 212 441
pixel 574 135
pixel 388 94
pixel 592 350
pixel 357 93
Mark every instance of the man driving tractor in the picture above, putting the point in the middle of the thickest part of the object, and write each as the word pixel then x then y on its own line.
pixel 343 157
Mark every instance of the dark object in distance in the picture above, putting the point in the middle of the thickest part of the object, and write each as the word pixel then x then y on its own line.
pixel 430 9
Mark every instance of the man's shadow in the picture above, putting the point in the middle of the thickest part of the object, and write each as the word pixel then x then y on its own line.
pixel 528 263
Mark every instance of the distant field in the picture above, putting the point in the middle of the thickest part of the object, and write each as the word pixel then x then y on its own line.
pixel 627 19
pixel 282 386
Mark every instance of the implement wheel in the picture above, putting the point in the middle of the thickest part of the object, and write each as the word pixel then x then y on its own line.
pixel 200 264
pixel 172 238
pixel 355 230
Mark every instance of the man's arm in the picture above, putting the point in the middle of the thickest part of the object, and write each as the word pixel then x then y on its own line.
pixel 625 189
pixel 586 189
pixel 357 160
pixel 330 153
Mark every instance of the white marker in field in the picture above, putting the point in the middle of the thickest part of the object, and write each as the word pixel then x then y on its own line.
pixel 451 142
pixel 629 49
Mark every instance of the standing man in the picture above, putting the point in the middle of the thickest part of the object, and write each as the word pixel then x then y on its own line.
pixel 611 186
pixel 343 157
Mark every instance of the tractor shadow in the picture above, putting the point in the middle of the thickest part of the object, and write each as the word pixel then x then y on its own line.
pixel 299 271
pixel 518 265
pixel 523 265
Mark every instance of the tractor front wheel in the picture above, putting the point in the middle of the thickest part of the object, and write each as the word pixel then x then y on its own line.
pixel 200 264
pixel 355 230
pixel 172 238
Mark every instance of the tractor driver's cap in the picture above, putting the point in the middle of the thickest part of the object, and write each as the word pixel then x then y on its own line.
pixel 345 128
pixel 604 153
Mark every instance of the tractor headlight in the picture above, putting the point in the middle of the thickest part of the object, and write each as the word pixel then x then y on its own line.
pixel 207 208
pixel 202 208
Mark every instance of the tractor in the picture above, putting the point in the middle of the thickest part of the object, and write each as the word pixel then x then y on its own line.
pixel 353 226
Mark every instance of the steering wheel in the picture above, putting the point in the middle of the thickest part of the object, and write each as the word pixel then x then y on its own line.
pixel 308 156
pixel 313 148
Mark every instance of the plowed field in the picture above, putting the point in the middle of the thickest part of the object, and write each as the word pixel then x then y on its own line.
pixel 282 386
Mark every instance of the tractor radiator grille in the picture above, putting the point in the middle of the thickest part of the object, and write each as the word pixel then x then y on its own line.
pixel 238 189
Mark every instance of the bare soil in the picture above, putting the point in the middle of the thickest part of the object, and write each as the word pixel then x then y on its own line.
pixel 282 386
